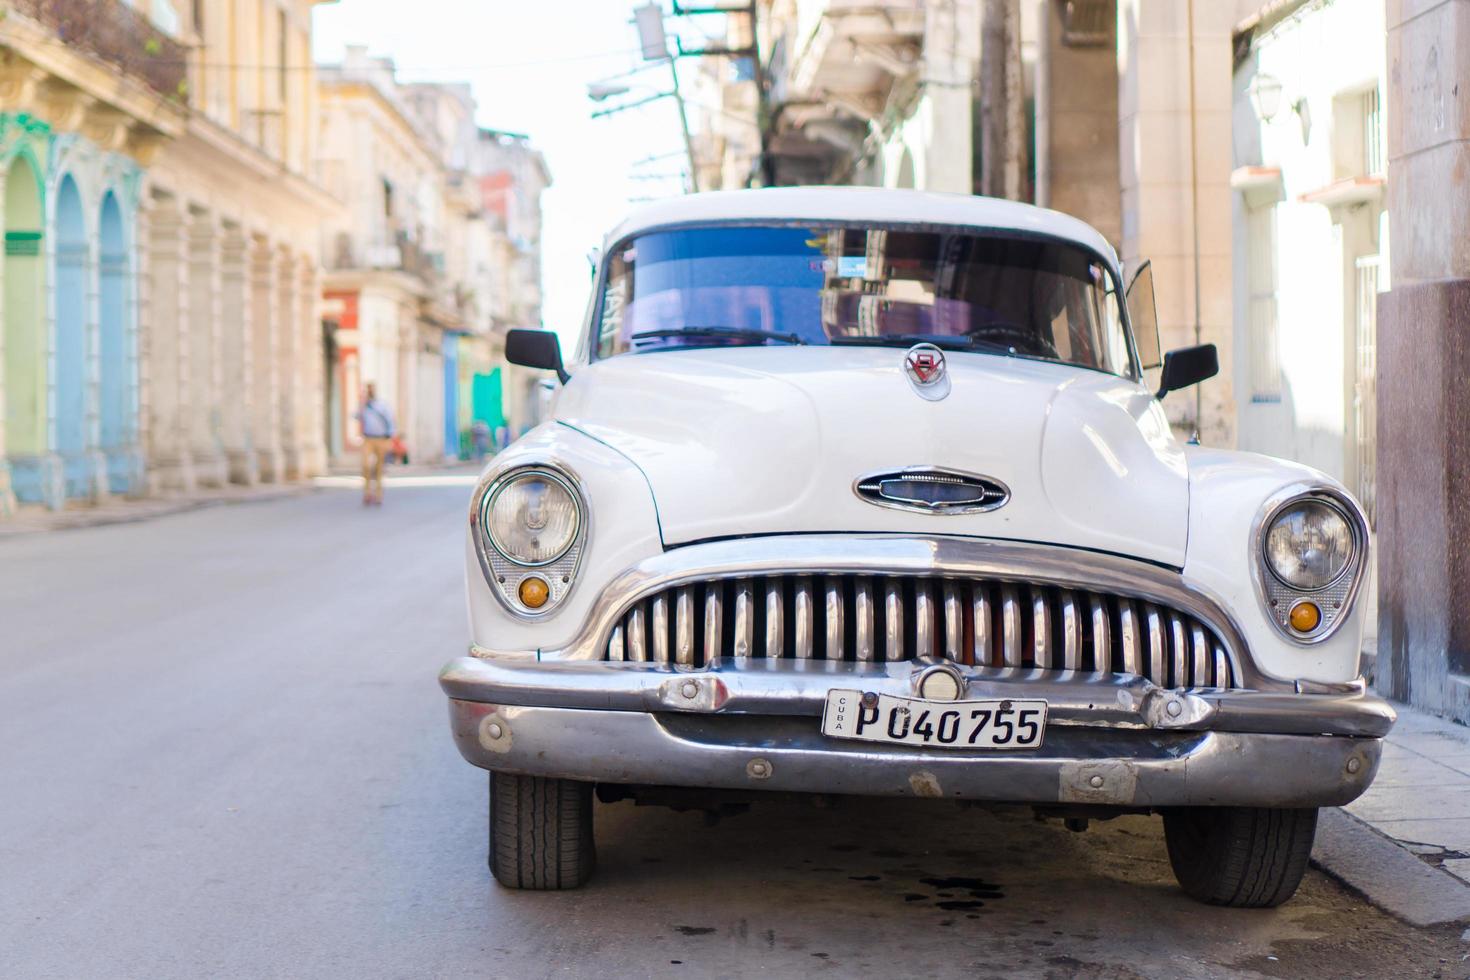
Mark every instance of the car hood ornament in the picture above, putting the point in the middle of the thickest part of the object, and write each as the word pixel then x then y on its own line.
pixel 927 372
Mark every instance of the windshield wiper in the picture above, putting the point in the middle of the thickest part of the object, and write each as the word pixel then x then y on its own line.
pixel 730 333
pixel 909 340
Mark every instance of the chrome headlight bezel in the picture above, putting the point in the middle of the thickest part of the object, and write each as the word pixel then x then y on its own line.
pixel 1335 598
pixel 505 573
pixel 508 482
pixel 1297 504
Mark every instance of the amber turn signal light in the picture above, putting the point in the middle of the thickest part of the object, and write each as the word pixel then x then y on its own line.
pixel 534 592
pixel 1305 616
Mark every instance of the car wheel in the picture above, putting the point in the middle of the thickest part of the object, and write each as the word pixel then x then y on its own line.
pixel 1242 857
pixel 540 832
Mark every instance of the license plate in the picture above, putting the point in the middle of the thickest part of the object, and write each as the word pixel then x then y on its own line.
pixel 1000 724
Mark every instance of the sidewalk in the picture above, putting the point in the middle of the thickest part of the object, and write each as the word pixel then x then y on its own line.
pixel 1405 843
pixel 35 519
pixel 1421 797
pixel 350 464
pixel 346 473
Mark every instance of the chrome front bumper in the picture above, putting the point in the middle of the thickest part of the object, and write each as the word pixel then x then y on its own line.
pixel 1117 742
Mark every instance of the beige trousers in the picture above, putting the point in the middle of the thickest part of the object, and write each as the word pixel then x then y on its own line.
pixel 373 452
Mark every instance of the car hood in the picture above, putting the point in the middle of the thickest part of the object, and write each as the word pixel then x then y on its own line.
pixel 766 440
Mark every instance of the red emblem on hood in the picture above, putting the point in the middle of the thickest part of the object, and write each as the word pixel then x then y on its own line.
pixel 924 364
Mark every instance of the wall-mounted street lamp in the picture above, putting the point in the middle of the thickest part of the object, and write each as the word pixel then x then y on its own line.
pixel 1265 96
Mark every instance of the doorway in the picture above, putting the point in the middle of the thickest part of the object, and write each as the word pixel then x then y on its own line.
pixel 116 371
pixel 25 341
pixel 71 294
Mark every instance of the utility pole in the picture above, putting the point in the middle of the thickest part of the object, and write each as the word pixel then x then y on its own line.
pixel 1002 102
pixel 684 125
pixel 654 40
pixel 751 11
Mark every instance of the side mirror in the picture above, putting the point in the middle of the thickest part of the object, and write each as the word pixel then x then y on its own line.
pixel 536 349
pixel 1143 315
pixel 1188 366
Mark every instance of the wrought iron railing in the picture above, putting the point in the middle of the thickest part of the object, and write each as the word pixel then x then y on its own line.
pixel 115 33
pixel 395 250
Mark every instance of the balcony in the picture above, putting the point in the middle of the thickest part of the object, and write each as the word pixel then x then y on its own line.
pixel 848 58
pixel 395 251
pixel 114 33
pixel 855 48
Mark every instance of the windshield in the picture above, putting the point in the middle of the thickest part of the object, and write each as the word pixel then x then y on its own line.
pixel 777 284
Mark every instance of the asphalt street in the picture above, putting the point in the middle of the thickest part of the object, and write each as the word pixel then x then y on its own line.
pixel 223 753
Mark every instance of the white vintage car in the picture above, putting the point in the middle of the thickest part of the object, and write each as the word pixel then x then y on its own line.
pixel 862 492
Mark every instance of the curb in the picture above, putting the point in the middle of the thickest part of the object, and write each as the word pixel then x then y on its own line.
pixel 1390 877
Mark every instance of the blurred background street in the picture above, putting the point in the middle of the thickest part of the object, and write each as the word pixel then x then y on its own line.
pixel 225 756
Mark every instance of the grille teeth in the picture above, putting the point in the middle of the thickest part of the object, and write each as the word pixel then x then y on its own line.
pixel 861 618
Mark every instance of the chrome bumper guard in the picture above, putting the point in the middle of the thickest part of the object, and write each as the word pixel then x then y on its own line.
pixel 1121 741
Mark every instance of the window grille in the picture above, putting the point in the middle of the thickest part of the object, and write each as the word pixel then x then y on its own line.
pixel 1374 160
pixel 1265 362
pixel 1088 23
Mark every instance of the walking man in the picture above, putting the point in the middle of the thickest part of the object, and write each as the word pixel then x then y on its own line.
pixel 377 435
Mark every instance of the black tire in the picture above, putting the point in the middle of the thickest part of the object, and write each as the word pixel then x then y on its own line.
pixel 1241 857
pixel 540 832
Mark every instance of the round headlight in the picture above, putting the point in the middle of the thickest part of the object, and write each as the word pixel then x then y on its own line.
pixel 1309 545
pixel 532 518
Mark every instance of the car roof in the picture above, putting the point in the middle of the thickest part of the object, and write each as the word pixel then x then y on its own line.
pixel 862 204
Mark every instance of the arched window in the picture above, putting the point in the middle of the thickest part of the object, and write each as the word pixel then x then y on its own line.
pixel 70 307
pixel 117 380
pixel 25 339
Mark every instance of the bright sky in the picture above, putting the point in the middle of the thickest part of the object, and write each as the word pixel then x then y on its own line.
pixel 529 62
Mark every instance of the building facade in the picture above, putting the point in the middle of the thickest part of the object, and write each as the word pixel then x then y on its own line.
pixel 77 125
pixel 1311 228
pixel 511 175
pixel 436 255
pixel 384 254
pixel 160 283
pixel 232 293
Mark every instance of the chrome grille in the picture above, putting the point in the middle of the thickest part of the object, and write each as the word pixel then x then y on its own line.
pixel 860 618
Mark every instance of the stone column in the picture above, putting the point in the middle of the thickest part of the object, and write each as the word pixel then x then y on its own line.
pixel 236 374
pixel 288 355
pixel 941 130
pixel 266 419
pixel 1176 203
pixel 1424 365
pixel 98 483
pixel 312 408
pixel 170 464
pixel 203 331
pixel 142 345
pixel 1077 119
pixel 408 375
